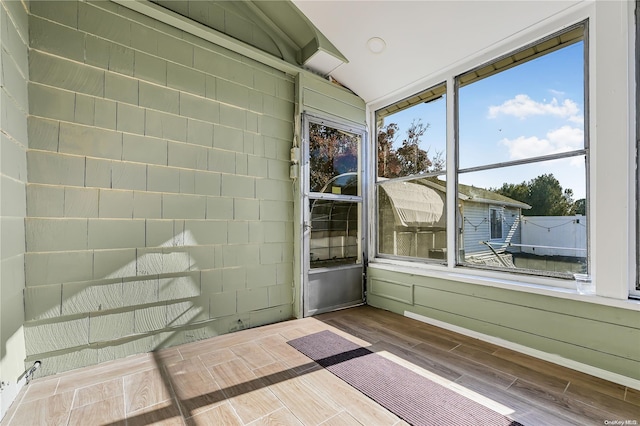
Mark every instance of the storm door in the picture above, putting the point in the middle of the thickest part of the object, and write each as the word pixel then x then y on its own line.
pixel 333 216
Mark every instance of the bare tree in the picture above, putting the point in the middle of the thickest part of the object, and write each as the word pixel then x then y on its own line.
pixel 409 158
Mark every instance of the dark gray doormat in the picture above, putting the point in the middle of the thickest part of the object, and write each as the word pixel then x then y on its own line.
pixel 410 396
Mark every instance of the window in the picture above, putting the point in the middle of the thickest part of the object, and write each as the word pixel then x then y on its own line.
pixel 521 138
pixel 411 187
pixel 521 155
pixel 496 223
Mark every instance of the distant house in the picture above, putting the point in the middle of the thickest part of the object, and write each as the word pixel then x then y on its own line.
pixel 413 220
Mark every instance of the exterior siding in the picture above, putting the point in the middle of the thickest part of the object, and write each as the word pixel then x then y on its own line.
pixel 600 336
pixel 477 226
pixel 13 181
pixel 324 98
pixel 159 203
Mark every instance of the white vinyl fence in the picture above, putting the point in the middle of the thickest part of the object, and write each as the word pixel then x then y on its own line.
pixel 554 235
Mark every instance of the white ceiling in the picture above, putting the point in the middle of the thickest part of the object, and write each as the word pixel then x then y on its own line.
pixel 422 37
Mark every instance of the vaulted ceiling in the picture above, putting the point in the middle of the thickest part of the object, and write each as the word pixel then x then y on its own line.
pixel 422 37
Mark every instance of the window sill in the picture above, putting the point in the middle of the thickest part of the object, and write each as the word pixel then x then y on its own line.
pixel 562 289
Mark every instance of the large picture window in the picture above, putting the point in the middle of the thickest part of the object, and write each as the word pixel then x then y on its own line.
pixel 521 154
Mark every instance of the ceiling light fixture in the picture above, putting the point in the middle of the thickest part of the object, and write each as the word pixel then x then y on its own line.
pixel 376 45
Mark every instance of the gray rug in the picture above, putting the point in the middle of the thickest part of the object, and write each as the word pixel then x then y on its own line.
pixel 410 396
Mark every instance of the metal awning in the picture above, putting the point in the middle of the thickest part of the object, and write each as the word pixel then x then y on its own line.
pixel 416 205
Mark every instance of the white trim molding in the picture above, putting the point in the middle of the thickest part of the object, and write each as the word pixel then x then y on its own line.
pixel 556 359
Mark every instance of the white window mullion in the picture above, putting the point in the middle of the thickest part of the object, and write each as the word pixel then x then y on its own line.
pixel 451 167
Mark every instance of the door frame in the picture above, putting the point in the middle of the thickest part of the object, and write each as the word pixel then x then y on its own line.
pixel 355 128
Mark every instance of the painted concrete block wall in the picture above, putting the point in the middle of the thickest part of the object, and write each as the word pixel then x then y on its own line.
pixel 159 205
pixel 13 180
pixel 600 336
pixel 230 18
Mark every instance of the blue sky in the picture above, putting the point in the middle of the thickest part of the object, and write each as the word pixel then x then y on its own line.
pixel 533 109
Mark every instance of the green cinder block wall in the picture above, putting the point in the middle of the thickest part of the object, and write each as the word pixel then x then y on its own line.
pixel 159 208
pixel 604 337
pixel 13 182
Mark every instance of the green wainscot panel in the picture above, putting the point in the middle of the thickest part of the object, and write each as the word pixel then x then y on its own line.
pixel 394 290
pixel 601 336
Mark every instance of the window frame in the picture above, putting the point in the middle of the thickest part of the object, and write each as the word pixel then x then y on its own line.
pixel 480 72
pixel 432 93
pixel 634 290
pixel 451 83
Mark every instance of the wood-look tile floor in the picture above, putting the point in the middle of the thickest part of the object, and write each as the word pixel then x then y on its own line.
pixel 253 377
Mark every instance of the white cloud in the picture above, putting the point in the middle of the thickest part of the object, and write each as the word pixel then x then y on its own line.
pixel 566 138
pixel 523 106
pixel 578 119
